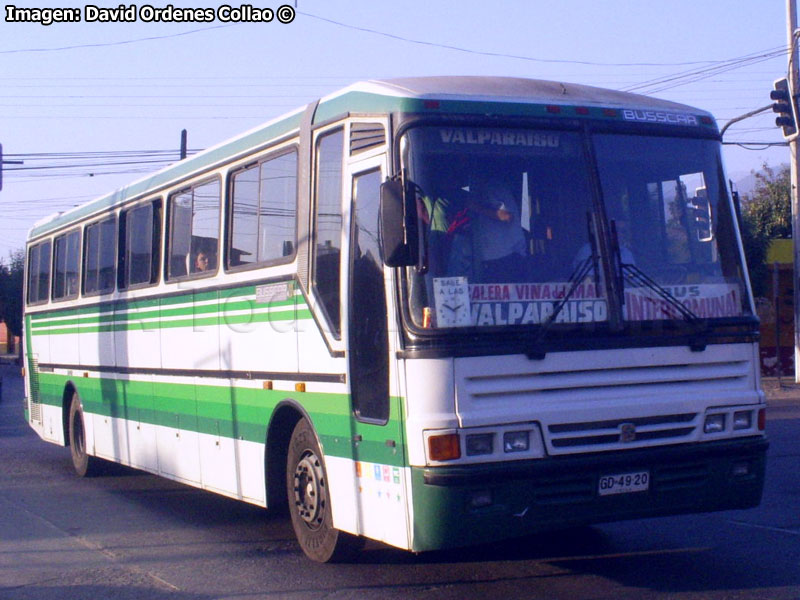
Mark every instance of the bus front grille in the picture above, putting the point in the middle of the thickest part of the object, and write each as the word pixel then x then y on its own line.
pixel 606 400
pixel 622 431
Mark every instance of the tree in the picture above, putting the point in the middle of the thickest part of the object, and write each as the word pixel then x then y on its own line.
pixel 767 215
pixel 770 208
pixel 11 278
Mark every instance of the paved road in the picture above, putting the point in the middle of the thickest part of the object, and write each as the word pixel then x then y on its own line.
pixel 132 535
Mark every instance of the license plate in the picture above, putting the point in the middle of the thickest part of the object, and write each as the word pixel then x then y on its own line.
pixel 624 483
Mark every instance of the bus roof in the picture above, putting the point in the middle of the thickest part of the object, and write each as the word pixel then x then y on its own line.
pixel 512 89
pixel 460 94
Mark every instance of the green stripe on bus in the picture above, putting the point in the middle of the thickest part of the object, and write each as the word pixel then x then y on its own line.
pixel 155 314
pixel 225 411
pixel 265 317
pixel 121 306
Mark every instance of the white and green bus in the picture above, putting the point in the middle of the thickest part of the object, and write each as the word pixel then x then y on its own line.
pixel 431 312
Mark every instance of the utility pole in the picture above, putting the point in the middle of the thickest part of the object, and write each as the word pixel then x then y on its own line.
pixel 184 138
pixel 794 79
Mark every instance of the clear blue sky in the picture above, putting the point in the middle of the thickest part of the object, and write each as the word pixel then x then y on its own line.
pixel 76 87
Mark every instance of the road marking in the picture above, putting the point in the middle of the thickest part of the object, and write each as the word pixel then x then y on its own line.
pixel 88 544
pixel 634 554
pixel 767 527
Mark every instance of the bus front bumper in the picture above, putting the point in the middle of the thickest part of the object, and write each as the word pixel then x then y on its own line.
pixel 465 505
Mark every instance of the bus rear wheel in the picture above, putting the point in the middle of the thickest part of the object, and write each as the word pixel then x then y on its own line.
pixel 309 501
pixel 85 465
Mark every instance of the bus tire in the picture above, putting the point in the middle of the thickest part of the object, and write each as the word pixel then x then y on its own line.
pixel 85 465
pixel 309 501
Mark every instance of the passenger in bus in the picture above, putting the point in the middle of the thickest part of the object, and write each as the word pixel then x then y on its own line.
pixel 433 210
pixel 203 261
pixel 616 197
pixel 447 224
pixel 624 237
pixel 72 284
pixel 499 237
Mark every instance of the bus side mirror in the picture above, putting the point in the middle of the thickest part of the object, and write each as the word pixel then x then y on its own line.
pixel 398 223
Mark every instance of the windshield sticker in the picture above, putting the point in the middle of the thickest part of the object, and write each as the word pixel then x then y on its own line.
pixel 452 301
pixel 520 292
pixel 533 313
pixel 706 301
pixel 535 303
pixel 498 137
pixel 654 116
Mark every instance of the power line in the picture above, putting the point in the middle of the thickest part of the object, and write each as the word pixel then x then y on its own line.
pixel 118 43
pixel 499 54
pixel 174 78
pixel 85 165
pixel 693 75
pixel 380 33
pixel 143 117
pixel 94 154
pixel 177 85
pixel 759 145
pixel 89 164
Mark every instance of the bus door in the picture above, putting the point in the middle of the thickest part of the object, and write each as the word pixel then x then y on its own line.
pixel 376 411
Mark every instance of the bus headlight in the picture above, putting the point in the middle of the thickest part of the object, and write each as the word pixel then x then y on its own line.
pixel 516 441
pixel 480 443
pixel 742 419
pixel 714 424
pixel 493 443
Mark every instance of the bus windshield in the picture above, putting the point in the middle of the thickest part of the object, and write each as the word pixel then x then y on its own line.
pixel 667 202
pixel 517 231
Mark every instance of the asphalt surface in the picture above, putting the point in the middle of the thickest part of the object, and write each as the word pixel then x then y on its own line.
pixel 132 535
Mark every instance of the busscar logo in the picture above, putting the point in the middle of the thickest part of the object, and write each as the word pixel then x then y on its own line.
pixel 627 433
pixel 654 116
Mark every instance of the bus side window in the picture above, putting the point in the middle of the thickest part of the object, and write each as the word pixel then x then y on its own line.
pixel 98 256
pixel 193 231
pixel 277 225
pixel 244 218
pixel 327 228
pixel 264 212
pixel 140 237
pixel 39 273
pixel 204 248
pixel 180 211
pixel 66 261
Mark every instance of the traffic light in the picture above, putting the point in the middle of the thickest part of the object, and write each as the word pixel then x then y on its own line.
pixel 785 107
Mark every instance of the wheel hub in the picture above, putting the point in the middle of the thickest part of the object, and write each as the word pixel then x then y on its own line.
pixel 309 495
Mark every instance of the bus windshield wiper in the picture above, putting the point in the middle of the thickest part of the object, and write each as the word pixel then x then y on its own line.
pixel 638 278
pixel 579 273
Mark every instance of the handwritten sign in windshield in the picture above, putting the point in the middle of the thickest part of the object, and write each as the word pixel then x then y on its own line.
pixel 459 304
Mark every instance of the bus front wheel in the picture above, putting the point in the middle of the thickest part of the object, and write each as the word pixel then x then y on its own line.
pixel 85 465
pixel 309 501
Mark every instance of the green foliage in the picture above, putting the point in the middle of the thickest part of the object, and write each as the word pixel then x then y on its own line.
pixel 766 215
pixel 755 252
pixel 11 278
pixel 769 209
